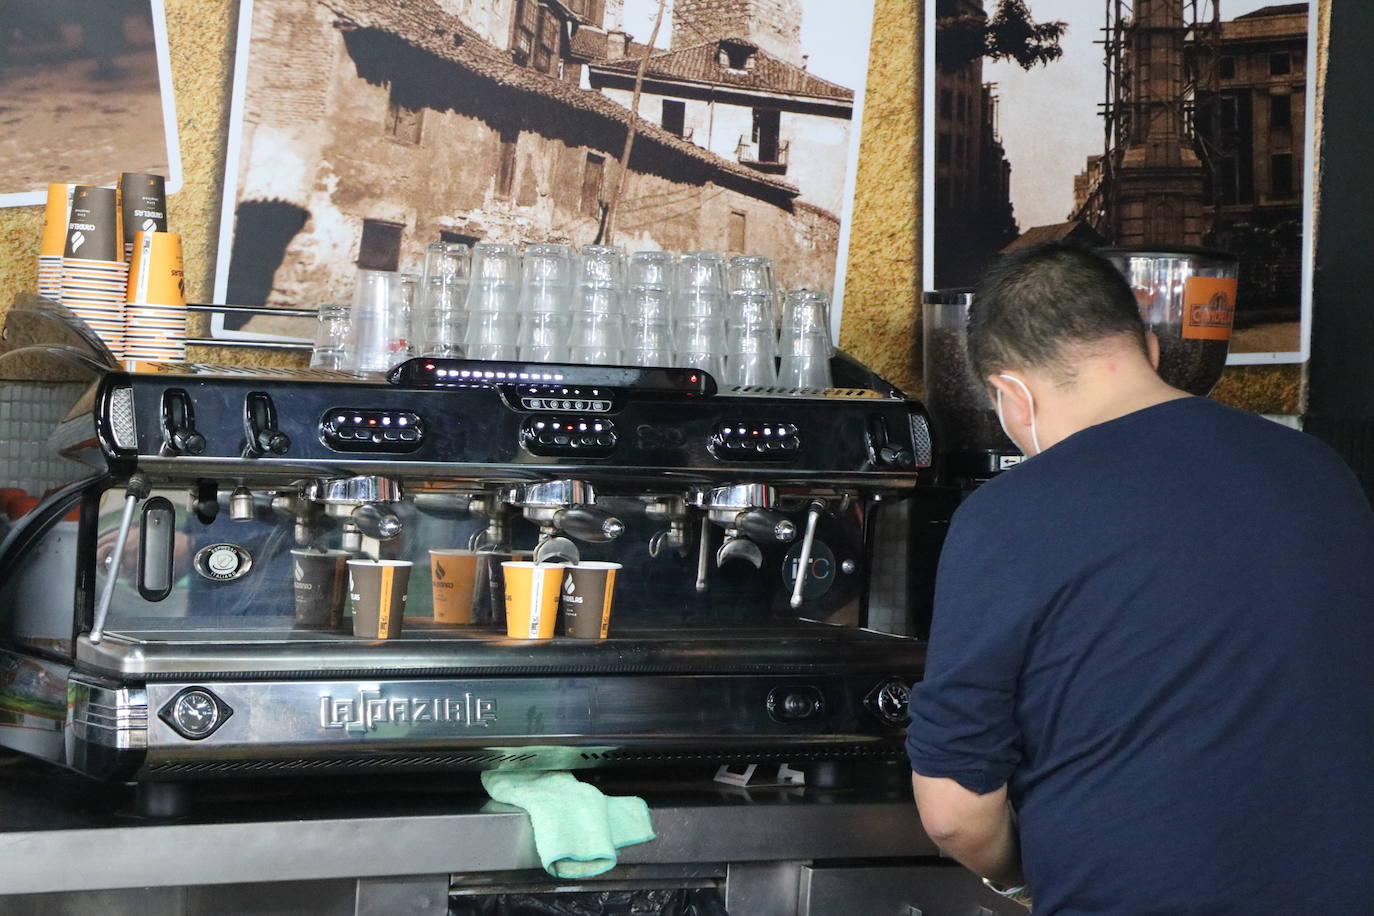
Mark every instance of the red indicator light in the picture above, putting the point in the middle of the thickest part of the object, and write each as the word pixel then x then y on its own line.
pixel 429 366
pixel 693 378
pixel 374 423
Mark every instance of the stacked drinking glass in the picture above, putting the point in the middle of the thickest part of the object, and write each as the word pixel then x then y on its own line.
pixel 752 333
pixel 381 333
pixel 649 309
pixel 700 312
pixel 598 318
pixel 442 321
pixel 805 340
pixel 546 293
pixel 493 324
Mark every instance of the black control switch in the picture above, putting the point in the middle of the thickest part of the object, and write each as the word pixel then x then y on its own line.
pixel 179 435
pixel 262 434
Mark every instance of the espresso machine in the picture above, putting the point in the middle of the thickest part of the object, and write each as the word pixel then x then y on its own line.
pixel 147 608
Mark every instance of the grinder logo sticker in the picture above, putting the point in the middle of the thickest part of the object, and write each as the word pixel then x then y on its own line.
pixel 1209 308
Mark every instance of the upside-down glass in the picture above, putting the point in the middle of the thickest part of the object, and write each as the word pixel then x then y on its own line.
pixel 701 344
pixel 597 339
pixel 754 273
pixel 443 320
pixel 547 279
pixel 649 303
pixel 330 350
pixel 601 266
pixel 750 314
pixel 492 335
pixel 648 343
pixel 653 268
pixel 494 283
pixel 544 337
pixel 805 340
pixel 382 313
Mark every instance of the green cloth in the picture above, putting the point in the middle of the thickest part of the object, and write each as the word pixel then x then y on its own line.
pixel 577 830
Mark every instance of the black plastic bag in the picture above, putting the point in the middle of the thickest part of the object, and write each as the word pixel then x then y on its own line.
pixel 696 902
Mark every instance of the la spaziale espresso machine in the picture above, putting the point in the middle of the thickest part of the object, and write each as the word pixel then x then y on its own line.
pixel 763 614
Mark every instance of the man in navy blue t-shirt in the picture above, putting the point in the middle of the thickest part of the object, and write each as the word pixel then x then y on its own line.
pixel 1150 686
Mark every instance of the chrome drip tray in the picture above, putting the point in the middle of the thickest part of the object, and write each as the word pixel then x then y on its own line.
pixel 162 654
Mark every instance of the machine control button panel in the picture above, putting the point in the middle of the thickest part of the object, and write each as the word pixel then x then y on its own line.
pixel 755 441
pixel 351 429
pixel 578 398
pixel 563 436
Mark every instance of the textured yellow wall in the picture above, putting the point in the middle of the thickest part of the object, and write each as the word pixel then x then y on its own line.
pixel 884 270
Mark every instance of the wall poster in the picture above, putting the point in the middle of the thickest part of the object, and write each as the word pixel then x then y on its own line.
pixel 363 130
pixel 1128 122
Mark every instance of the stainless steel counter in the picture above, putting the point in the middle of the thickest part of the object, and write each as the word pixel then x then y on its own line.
pixel 424 838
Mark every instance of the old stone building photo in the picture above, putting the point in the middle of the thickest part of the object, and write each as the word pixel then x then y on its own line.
pixel 371 128
pixel 1149 123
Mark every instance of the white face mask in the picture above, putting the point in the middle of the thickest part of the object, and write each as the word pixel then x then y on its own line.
pixel 1035 439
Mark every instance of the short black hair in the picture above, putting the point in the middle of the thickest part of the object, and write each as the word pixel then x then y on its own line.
pixel 1035 303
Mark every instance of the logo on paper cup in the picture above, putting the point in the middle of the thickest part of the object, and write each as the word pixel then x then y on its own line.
pixel 568 585
pixel 77 241
pixel 300 573
pixel 439 571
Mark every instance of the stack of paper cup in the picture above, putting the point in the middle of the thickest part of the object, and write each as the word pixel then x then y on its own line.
pixel 95 277
pixel 54 241
pixel 143 206
pixel 155 314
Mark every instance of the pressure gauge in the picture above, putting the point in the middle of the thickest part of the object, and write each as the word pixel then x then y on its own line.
pixel 195 713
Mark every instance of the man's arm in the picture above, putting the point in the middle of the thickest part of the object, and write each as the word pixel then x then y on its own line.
pixel 976 830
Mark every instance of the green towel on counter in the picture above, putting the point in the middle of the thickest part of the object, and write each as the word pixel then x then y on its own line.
pixel 577 830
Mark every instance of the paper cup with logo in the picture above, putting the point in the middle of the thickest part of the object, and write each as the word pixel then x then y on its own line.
pixel 54 241
pixel 320 581
pixel 531 598
pixel 377 589
pixel 157 274
pixel 142 204
pixel 93 225
pixel 453 573
pixel 587 593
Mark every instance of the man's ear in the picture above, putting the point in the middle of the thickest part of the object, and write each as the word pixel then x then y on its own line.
pixel 1152 348
pixel 1016 407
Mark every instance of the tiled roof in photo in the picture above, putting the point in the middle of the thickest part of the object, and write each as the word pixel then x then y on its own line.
pixel 423 25
pixel 1281 9
pixel 701 64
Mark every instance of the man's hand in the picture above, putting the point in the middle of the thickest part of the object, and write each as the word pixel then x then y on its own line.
pixel 976 830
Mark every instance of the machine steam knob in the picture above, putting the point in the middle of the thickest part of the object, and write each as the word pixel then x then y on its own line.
pixel 274 442
pixel 188 442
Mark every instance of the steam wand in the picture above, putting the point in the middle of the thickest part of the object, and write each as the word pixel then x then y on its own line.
pixel 139 487
pixel 804 559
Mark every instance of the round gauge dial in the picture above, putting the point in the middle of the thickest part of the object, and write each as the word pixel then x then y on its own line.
pixel 195 713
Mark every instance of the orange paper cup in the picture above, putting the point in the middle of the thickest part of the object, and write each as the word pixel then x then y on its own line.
pixel 532 599
pixel 156 273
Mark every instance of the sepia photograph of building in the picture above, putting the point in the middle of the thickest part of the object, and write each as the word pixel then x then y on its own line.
pixel 1133 123
pixel 371 128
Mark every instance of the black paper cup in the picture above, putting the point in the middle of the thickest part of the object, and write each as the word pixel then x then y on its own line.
pixel 320 582
pixel 587 595
pixel 378 591
pixel 142 206
pixel 94 231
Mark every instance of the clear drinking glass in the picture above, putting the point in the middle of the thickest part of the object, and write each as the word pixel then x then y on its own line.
pixel 544 337
pixel 754 273
pixel 653 268
pixel 495 263
pixel 451 261
pixel 649 303
pixel 443 320
pixel 492 335
pixel 330 350
pixel 750 314
pixel 701 344
pixel 601 266
pixel 648 343
pixel 597 338
pixel 547 279
pixel 806 308
pixel 701 270
pixel 382 313
pixel 751 368
pixel 805 340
